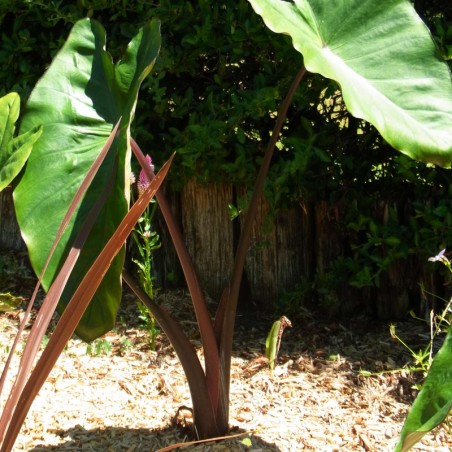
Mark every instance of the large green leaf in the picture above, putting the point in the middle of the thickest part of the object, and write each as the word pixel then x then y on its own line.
pixel 434 401
pixel 13 151
pixel 383 57
pixel 78 101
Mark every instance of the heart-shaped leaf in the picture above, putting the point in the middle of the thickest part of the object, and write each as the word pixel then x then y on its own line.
pixel 14 152
pixel 384 59
pixel 78 100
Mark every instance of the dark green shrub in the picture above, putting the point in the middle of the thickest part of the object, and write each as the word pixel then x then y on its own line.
pixel 213 96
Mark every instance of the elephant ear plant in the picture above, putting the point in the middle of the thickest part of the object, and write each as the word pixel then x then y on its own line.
pixel 384 60
pixel 81 164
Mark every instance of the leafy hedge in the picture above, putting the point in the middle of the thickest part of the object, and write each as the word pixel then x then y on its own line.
pixel 219 79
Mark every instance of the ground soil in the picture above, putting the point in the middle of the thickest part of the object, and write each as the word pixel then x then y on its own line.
pixel 119 395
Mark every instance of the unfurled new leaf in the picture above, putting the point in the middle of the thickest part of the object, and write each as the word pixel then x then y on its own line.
pixel 273 341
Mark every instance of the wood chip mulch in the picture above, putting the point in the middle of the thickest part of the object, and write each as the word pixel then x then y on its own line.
pixel 119 395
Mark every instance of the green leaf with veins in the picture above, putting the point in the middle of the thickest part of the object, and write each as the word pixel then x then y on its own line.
pixel 385 61
pixel 78 101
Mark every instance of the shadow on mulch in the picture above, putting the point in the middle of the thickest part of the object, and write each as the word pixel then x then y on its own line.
pixel 348 346
pixel 115 439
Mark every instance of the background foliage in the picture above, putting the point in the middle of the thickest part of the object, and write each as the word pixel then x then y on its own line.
pixel 219 79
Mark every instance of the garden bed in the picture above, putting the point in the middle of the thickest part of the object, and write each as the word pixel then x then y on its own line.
pixel 118 395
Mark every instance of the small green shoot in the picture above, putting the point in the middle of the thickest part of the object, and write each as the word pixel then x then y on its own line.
pixel 149 323
pixel 422 359
pixel 45 340
pixel 125 346
pixel 98 347
pixel 273 341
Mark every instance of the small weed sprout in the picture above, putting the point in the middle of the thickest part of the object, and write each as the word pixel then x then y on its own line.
pixel 439 323
pixel 422 359
pixel 125 346
pixel 149 324
pixel 45 340
pixel 98 347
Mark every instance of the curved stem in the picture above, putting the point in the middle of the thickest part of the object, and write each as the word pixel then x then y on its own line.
pixel 202 408
pixel 225 318
pixel 210 345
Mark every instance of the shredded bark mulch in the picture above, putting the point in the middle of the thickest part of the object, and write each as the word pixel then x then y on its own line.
pixel 119 395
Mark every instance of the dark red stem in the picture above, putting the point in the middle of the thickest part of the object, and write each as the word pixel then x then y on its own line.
pixel 225 318
pixel 212 362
